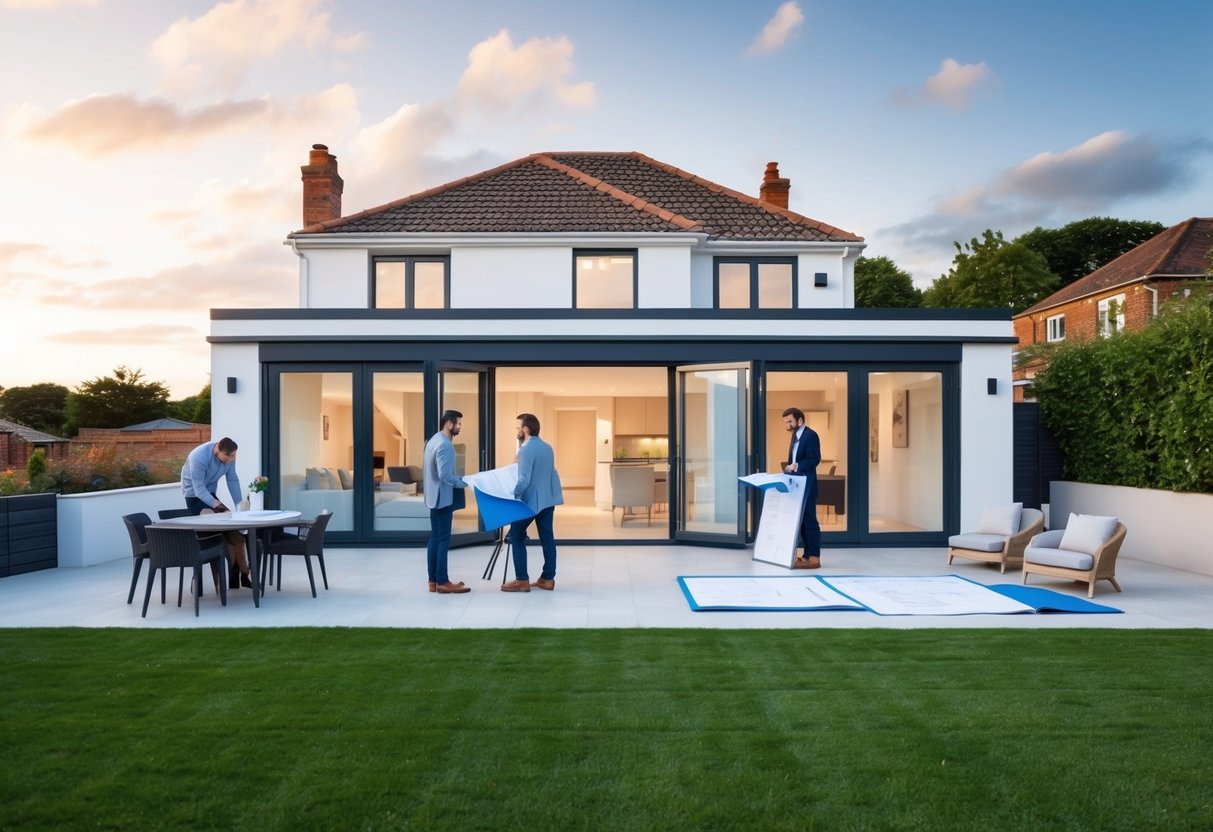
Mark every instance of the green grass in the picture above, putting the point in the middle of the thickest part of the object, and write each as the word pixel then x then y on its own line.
pixel 606 729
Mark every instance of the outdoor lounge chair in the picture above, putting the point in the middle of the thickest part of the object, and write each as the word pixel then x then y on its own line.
pixel 1001 537
pixel 1085 550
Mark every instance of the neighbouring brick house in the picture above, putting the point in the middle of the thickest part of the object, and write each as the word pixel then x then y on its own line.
pixel 1123 294
pixel 18 443
pixel 161 440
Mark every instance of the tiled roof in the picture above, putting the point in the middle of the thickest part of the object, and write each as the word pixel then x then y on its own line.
pixel 586 192
pixel 1180 251
pixel 34 437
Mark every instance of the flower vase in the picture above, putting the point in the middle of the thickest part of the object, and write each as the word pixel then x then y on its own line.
pixel 256 501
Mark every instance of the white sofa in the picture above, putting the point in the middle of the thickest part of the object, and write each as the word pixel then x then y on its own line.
pixel 395 510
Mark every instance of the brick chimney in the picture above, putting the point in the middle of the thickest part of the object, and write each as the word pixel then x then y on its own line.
pixel 321 187
pixel 774 191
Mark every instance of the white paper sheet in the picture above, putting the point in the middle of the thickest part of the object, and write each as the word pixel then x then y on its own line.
pixel 499 482
pixel 935 595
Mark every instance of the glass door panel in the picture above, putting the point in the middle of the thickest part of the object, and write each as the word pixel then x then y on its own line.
pixel 905 452
pixel 316 461
pixel 822 397
pixel 397 448
pixel 712 446
pixel 460 389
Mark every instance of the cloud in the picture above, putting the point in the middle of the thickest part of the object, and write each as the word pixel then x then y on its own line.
pixel 218 48
pixel 101 125
pixel 1050 189
pixel 37 255
pixel 45 5
pixel 500 76
pixel 954 86
pixel 778 30
pixel 143 335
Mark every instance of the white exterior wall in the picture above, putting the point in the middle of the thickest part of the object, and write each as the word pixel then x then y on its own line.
pixel 986 445
pixel 512 278
pixel 664 278
pixel 90 528
pixel 334 279
pixel 237 415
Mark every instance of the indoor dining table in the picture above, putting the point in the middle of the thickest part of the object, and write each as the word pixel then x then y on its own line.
pixel 248 522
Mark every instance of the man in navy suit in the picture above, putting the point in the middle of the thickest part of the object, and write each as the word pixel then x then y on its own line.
pixel 538 487
pixel 804 455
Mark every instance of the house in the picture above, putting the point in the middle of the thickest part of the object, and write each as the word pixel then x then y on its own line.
pixel 1123 294
pixel 18 443
pixel 648 317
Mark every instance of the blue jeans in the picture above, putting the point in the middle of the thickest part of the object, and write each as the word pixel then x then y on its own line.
pixel 440 542
pixel 517 538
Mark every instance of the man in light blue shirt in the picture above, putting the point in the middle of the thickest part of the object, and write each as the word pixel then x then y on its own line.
pixel 538 487
pixel 200 475
pixel 441 483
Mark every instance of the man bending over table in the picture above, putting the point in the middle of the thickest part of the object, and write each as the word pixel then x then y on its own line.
pixel 204 467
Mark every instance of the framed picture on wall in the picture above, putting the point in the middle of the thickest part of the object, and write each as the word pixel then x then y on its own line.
pixel 873 427
pixel 901 419
pixel 326 427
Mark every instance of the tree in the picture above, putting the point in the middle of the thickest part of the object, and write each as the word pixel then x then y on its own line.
pixel 1077 249
pixel 39 406
pixel 195 408
pixel 116 401
pixel 992 272
pixel 880 284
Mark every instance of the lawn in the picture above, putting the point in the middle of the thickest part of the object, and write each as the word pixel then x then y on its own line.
pixel 327 729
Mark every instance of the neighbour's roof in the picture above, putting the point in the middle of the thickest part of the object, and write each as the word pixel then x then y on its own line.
pixel 1180 251
pixel 34 437
pixel 586 192
pixel 160 424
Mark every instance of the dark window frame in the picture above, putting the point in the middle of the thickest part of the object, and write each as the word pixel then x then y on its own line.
pixel 410 262
pixel 754 263
pixel 610 252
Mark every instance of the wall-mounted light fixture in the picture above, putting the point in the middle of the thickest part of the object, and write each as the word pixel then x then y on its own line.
pixel 992 386
pixel 231 384
pixel 820 279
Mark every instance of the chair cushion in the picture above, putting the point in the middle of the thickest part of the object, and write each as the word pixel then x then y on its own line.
pixel 1002 520
pixel 1059 557
pixel 316 479
pixel 978 542
pixel 1087 532
pixel 334 479
pixel 346 478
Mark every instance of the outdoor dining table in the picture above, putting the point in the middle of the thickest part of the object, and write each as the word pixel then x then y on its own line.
pixel 249 522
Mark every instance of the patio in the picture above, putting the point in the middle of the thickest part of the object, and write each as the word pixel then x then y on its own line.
pixel 596 586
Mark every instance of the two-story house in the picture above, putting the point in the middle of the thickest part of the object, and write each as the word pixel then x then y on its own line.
pixel 647 317
pixel 1123 294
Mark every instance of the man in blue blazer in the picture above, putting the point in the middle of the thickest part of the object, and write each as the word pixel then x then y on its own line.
pixel 439 481
pixel 538 487
pixel 804 455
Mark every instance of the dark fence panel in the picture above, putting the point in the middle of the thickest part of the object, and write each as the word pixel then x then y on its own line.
pixel 1037 459
pixel 30 533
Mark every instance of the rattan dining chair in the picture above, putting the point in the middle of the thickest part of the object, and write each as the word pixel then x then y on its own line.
pixel 181 547
pixel 136 527
pixel 308 543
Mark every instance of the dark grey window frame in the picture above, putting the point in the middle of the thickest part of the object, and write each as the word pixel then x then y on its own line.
pixel 410 262
pixel 610 252
pixel 754 263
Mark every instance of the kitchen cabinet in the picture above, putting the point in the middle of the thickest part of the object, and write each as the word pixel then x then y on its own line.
pixel 641 416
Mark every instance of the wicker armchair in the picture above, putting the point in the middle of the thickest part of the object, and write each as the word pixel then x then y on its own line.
pixel 181 547
pixel 1003 550
pixel 1044 557
pixel 308 543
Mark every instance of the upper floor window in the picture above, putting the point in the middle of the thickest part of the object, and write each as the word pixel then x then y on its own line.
pixel 414 282
pixel 604 279
pixel 755 283
pixel 1057 328
pixel 1111 316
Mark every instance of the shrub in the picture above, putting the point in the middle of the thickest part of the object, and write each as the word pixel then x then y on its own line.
pixel 1136 409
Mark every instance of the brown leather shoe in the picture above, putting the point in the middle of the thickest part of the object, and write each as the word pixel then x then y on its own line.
pixel 433 587
pixel 545 583
pixel 811 562
pixel 452 588
pixel 516 586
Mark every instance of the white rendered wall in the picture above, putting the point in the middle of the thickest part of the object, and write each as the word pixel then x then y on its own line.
pixel 830 296
pixel 511 278
pixel 90 528
pixel 664 276
pixel 237 415
pixel 335 279
pixel 986 452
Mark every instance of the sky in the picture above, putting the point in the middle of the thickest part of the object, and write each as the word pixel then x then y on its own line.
pixel 150 151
